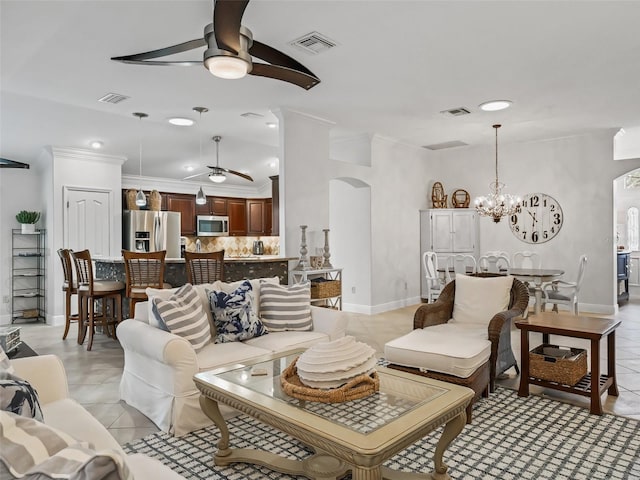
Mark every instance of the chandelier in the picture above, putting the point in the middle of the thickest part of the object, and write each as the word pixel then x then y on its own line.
pixel 497 204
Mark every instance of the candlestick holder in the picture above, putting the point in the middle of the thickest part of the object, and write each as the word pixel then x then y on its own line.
pixel 326 254
pixel 303 264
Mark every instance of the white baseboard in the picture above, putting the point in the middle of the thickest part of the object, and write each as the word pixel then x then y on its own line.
pixel 53 320
pixel 384 307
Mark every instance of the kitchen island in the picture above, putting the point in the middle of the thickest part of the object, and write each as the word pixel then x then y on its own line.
pixel 235 268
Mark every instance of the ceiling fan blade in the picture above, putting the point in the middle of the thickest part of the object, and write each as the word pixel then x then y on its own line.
pixel 276 57
pixel 196 175
pixel 285 74
pixel 227 17
pixel 143 58
pixel 233 172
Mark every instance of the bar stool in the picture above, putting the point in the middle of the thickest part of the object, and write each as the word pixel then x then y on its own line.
pixel 90 290
pixel 204 267
pixel 69 287
pixel 142 270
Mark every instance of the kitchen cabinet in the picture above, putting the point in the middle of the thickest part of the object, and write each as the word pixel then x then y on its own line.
pixel 447 231
pixel 214 206
pixel 268 217
pixel 28 269
pixel 275 210
pixel 186 206
pixel 255 217
pixel 237 211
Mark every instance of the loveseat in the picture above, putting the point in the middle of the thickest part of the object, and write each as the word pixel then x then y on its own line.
pixel 159 366
pixel 47 375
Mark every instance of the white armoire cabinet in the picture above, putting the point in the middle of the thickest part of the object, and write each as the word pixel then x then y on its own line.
pixel 447 231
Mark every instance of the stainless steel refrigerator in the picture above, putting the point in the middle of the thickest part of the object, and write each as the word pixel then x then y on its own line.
pixel 150 231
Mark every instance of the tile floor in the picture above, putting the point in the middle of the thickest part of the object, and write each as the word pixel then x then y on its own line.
pixel 94 376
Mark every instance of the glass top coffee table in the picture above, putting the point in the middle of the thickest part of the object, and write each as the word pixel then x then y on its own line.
pixel 357 436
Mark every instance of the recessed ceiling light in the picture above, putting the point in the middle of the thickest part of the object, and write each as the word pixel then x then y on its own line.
pixel 271 124
pixel 96 144
pixel 181 121
pixel 188 168
pixel 495 105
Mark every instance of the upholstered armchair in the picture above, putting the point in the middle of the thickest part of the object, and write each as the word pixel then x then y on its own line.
pixel 499 329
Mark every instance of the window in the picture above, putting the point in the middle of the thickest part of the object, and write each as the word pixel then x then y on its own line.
pixel 632 228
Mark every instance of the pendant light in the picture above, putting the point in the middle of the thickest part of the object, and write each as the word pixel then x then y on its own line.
pixel 141 200
pixel 201 199
pixel 497 204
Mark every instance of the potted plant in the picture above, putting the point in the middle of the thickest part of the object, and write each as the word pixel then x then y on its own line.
pixel 28 220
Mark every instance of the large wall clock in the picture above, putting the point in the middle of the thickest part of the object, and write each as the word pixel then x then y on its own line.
pixel 538 220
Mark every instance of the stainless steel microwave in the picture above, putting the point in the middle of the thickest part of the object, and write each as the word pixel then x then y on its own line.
pixel 212 226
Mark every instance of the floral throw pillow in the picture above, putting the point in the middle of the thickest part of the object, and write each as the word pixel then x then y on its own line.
pixel 234 316
pixel 18 396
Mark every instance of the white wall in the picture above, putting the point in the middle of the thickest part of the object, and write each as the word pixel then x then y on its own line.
pixel 579 173
pixel 20 189
pixel 626 144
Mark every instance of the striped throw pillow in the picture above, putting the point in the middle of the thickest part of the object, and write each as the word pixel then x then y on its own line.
pixel 285 307
pixel 183 315
pixel 31 449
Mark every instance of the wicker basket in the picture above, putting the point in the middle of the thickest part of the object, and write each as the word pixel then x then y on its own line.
pixel 558 364
pixel 327 289
pixel 358 387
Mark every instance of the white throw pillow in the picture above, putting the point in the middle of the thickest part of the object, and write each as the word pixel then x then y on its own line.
pixel 478 299
pixel 255 288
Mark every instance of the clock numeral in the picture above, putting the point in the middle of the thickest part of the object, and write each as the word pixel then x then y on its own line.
pixel 516 229
pixel 514 219
pixel 553 230
pixel 524 234
pixel 545 234
pixel 534 237
pixel 544 202
pixel 518 209
pixel 535 201
pixel 556 219
pixel 552 208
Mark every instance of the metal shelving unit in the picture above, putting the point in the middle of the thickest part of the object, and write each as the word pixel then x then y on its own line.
pixel 28 275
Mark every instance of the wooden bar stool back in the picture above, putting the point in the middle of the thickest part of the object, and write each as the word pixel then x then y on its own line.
pixel 204 267
pixel 142 270
pixel 108 292
pixel 69 287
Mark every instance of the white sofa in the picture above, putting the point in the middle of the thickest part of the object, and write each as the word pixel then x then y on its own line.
pixel 159 366
pixel 46 374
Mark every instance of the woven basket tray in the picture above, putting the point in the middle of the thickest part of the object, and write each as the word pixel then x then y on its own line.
pixel 567 371
pixel 358 387
pixel 330 288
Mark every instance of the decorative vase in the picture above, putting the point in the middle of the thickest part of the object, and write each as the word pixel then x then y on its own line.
pixel 326 254
pixel 28 228
pixel 303 264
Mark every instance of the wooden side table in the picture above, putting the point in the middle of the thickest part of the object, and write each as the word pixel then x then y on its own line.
pixel 592 328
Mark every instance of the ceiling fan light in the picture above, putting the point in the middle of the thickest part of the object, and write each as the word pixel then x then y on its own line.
pixel 141 200
pixel 201 199
pixel 217 177
pixel 227 67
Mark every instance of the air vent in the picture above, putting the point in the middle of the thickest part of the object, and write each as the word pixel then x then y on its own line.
pixel 113 98
pixel 251 115
pixel 456 112
pixel 313 43
pixel 443 145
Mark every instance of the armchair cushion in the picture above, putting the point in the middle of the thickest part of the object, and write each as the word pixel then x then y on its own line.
pixel 183 315
pixel 478 299
pixel 234 315
pixel 453 349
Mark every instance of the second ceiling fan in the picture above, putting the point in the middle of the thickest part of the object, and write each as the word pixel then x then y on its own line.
pixel 230 48
pixel 218 173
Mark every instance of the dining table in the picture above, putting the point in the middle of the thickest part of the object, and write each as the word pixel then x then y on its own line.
pixel 536 277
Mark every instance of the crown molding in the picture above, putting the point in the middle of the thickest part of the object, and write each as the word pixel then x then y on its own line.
pixel 87 155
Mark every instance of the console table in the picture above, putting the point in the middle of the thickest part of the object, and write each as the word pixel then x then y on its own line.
pixel 594 384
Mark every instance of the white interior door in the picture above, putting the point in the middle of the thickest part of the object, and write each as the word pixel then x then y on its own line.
pixel 87 220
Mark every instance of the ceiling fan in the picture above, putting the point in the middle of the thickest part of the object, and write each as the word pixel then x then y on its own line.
pixel 230 47
pixel 217 174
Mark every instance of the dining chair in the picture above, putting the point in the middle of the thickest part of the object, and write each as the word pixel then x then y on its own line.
pixel 90 290
pixel 434 283
pixel 527 259
pixel 563 292
pixel 142 270
pixel 460 263
pixel 204 267
pixel 497 253
pixel 69 287
pixel 494 264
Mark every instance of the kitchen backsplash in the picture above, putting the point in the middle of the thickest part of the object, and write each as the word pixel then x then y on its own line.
pixel 234 246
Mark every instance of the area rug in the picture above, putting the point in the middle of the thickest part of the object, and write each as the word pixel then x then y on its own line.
pixel 510 438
